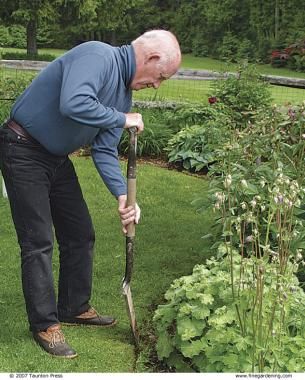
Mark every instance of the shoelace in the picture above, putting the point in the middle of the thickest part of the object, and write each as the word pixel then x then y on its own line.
pixel 90 313
pixel 56 337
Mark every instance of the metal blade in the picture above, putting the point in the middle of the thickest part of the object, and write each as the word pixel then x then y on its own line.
pixel 131 312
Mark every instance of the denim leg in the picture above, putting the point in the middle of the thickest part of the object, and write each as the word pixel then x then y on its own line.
pixel 27 174
pixel 75 235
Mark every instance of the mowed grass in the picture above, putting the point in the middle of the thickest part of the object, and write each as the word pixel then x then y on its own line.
pixel 168 245
pixel 191 62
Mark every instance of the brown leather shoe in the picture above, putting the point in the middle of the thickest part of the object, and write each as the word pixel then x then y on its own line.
pixel 53 341
pixel 91 318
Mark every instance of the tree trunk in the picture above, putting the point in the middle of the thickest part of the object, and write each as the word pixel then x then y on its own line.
pixel 113 39
pixel 276 21
pixel 31 37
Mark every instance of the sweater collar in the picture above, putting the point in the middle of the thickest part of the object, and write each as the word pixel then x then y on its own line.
pixel 127 60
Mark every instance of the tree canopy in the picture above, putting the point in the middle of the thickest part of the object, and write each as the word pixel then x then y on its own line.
pixel 244 27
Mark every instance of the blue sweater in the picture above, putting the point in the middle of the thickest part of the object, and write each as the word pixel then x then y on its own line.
pixel 78 99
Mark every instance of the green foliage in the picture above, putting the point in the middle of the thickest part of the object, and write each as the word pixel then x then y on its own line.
pixel 230 29
pixel 245 50
pixel 150 143
pixel 238 101
pixel 25 56
pixel 243 94
pixel 187 147
pixel 193 147
pixel 297 62
pixel 5 38
pixel 10 89
pixel 18 36
pixel 228 50
pixel 199 330
pixel 157 132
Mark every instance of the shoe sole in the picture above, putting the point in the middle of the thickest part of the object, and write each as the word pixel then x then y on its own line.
pixel 87 324
pixel 63 357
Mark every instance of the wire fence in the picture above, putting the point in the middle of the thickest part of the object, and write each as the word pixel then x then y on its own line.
pixel 178 90
pixel 198 91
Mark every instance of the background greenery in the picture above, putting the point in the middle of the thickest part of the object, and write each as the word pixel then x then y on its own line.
pixel 229 30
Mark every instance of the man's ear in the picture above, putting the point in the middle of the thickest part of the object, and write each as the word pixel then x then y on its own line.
pixel 153 58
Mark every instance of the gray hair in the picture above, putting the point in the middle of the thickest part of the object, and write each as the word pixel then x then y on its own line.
pixel 162 41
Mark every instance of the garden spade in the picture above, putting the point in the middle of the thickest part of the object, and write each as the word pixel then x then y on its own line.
pixel 130 236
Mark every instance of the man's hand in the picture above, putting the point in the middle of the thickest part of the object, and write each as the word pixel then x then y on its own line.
pixel 134 120
pixel 128 214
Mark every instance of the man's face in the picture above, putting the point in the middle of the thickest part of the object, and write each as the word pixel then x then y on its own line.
pixel 151 75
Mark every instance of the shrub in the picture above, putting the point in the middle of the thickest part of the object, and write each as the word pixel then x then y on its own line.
pixel 156 134
pixel 193 147
pixel 245 50
pixel 199 47
pixel 5 38
pixel 151 142
pixel 245 94
pixel 203 128
pixel 199 329
pixel 188 148
pixel 229 48
pixel 45 36
pixel 297 62
pixel 25 56
pixel 188 115
pixel 18 36
pixel 10 89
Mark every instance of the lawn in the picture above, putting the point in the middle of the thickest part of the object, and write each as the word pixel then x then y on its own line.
pixel 168 245
pixel 191 62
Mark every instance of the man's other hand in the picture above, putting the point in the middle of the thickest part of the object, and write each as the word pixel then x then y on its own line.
pixel 134 120
pixel 128 214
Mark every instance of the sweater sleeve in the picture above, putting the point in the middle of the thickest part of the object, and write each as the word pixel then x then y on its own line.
pixel 105 157
pixel 82 79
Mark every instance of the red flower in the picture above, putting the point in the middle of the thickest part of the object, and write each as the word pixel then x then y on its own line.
pixel 212 99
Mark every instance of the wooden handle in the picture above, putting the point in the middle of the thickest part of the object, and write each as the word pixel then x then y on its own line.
pixel 131 176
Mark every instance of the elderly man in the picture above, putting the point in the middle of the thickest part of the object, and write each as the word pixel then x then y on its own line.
pixel 82 97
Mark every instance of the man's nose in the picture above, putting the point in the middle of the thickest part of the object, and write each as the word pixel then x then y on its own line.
pixel 156 84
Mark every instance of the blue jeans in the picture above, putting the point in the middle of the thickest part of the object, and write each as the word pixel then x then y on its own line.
pixel 44 191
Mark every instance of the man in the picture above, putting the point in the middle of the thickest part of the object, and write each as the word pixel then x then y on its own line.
pixel 82 97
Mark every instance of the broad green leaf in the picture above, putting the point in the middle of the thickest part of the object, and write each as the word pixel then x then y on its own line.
pixel 193 348
pixel 206 299
pixel 200 312
pixel 189 328
pixel 164 346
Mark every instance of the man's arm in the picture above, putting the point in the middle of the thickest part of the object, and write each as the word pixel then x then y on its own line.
pixel 105 157
pixel 81 82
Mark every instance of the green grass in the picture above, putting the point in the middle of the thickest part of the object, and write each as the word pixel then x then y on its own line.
pixel 168 245
pixel 191 62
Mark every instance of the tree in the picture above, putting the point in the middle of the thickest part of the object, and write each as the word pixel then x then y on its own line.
pixel 29 13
